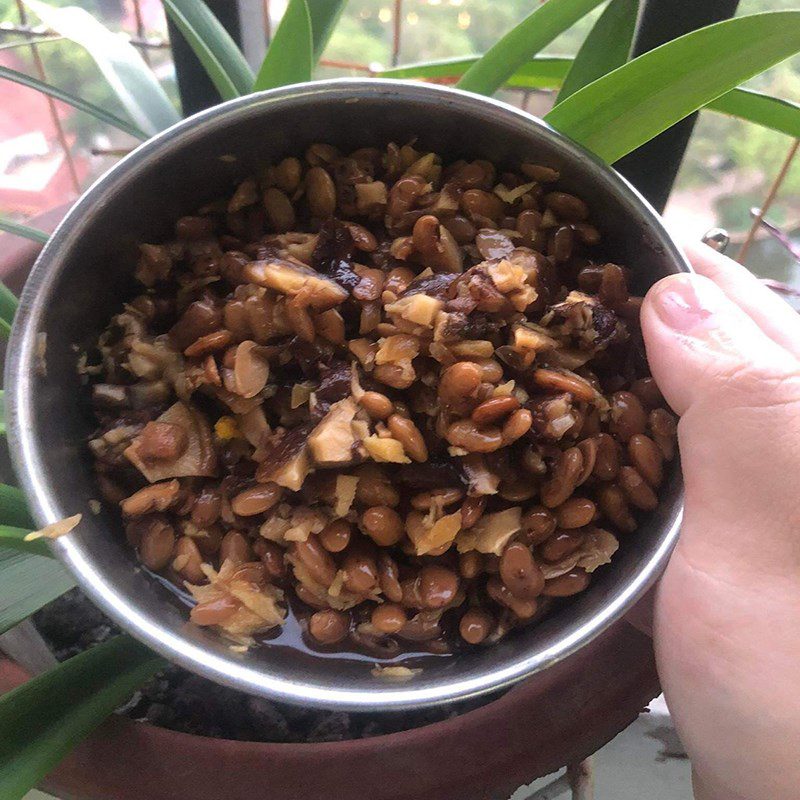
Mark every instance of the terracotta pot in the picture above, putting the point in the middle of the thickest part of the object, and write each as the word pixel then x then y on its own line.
pixel 561 715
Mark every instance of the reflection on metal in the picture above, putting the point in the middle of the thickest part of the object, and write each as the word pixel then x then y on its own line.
pixel 717 239
pixel 771 195
pixel 51 104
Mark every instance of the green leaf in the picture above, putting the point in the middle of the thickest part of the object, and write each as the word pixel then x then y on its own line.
pixel 629 106
pixel 12 538
pixel 71 99
pixel 762 109
pixel 290 57
pixel 521 43
pixel 607 46
pixel 2 413
pixel 27 582
pixel 14 507
pixel 8 304
pixel 18 229
pixel 212 44
pixel 27 42
pixel 324 16
pixel 42 720
pixel 126 71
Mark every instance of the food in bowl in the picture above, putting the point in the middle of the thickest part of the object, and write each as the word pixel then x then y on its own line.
pixel 402 402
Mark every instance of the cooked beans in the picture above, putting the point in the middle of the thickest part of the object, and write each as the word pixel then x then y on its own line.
pixel 384 393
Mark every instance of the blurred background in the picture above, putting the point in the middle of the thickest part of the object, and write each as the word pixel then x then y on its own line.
pixel 49 151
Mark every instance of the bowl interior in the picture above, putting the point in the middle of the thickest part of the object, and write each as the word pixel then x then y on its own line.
pixel 84 274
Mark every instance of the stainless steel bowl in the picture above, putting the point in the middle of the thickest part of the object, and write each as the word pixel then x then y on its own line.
pixel 84 274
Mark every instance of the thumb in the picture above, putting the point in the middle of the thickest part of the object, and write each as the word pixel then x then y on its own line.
pixel 738 394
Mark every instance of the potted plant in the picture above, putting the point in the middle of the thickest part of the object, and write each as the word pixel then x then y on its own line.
pixel 606 104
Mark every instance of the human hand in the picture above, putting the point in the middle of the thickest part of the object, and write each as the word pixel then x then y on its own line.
pixel 726 354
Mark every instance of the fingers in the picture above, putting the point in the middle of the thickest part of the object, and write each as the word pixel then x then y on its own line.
pixel 776 318
pixel 699 342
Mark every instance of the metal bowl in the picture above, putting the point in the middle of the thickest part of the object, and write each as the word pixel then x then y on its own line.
pixel 84 274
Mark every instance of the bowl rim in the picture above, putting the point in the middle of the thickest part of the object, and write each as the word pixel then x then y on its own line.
pixel 27 456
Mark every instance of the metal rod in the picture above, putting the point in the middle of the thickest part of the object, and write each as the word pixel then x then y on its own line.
pixel 51 104
pixel 137 12
pixel 397 25
pixel 771 195
pixel 581 779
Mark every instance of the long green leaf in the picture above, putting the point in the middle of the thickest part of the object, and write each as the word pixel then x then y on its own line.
pixel 42 720
pixel 212 44
pixel 8 304
pixel 12 538
pixel 27 582
pixel 2 412
pixel 76 102
pixel 324 16
pixel 523 42
pixel 37 40
pixel 126 71
pixel 25 231
pixel 290 57
pixel 14 508
pixel 607 46
pixel 762 109
pixel 629 106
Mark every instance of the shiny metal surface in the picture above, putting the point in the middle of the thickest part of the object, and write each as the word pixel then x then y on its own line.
pixel 84 274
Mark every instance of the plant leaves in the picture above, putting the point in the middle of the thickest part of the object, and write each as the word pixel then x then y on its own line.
pixel 8 306
pixel 126 71
pixel 18 229
pixel 42 720
pixel 13 538
pixel 607 46
pixel 14 508
pixel 629 106
pixel 324 16
pixel 2 413
pixel 522 42
pixel 290 57
pixel 27 582
pixel 761 109
pixel 77 102
pixel 212 44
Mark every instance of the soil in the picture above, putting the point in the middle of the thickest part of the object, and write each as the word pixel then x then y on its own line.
pixel 182 701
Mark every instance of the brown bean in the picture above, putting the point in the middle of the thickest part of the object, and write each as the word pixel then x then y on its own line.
pixel 156 544
pixel 628 417
pixel 560 545
pixel 494 409
pixel 538 524
pixel 206 508
pixel 389 618
pixel 614 505
pixel 156 497
pixel 288 174
pixel 335 536
pixel 517 425
pixel 161 441
pixel 383 525
pixel 187 560
pixel 588 448
pixel 329 626
pixel 437 586
pixel 459 381
pixel 208 540
pixel 466 434
pixel 316 560
pixel 606 465
pixel 588 234
pixel 567 206
pixel 394 375
pixel 478 203
pixel 572 582
pixel 491 371
pixel 460 228
pixel 214 612
pixel 569 382
pixel 613 291
pixel 575 513
pixel 519 490
pixel 470 564
pixel 561 244
pixel 472 510
pixel 360 572
pixel 475 625
pixel 664 430
pixel 320 192
pixel 235 548
pixel 501 594
pixel 257 499
pixel 374 488
pixel 388 577
pixel 647 458
pixel 210 343
pixel 309 598
pixel 540 173
pixel 648 392
pixel 377 405
pixel 556 491
pixel 280 211
pixel 424 501
pixel 272 557
pixel 408 434
pixel 194 229
pixel 636 489
pixel 520 573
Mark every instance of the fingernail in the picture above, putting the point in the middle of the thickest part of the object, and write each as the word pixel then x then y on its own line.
pixel 687 305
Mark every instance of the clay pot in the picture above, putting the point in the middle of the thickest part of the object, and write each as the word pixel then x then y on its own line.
pixel 561 715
